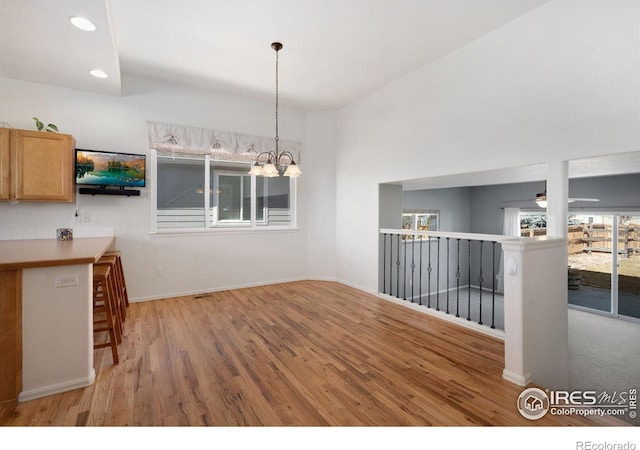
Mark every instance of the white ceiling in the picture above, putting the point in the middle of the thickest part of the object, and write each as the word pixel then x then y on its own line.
pixel 334 51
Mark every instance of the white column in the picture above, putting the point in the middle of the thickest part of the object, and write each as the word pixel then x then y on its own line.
pixel 557 198
pixel 515 369
pixel 535 312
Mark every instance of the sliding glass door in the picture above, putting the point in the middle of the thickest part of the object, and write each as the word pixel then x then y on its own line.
pixel 590 262
pixel 604 263
pixel 628 266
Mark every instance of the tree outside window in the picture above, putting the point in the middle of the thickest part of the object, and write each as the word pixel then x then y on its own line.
pixel 418 220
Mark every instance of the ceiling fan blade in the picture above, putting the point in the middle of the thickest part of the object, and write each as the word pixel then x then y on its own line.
pixel 572 199
pixel 519 201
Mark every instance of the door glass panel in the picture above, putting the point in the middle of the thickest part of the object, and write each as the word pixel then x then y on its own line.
pixel 629 266
pixel 590 261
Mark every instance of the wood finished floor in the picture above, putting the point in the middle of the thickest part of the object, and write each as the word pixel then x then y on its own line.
pixel 297 354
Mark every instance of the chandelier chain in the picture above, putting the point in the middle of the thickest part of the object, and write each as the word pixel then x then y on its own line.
pixel 277 95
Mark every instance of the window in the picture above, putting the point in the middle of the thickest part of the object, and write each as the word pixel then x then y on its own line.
pixel 420 220
pixel 533 224
pixel 234 199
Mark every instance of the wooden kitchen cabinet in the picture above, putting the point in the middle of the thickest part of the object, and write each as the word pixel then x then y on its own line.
pixel 5 151
pixel 10 335
pixel 40 166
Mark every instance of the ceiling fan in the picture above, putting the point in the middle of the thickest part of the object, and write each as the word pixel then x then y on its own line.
pixel 541 199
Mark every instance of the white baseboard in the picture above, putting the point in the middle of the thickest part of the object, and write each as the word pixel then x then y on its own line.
pixel 520 380
pixel 499 334
pixel 51 389
pixel 355 286
pixel 227 288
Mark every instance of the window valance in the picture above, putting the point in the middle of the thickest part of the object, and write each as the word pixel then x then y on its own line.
pixel 172 139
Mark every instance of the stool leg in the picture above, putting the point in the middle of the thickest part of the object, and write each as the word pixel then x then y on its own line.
pixel 122 280
pixel 115 308
pixel 116 294
pixel 116 253
pixel 121 289
pixel 102 292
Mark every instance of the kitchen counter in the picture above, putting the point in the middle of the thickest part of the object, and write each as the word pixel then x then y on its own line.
pixel 28 253
pixel 46 326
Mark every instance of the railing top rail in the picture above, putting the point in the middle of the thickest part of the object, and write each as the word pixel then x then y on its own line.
pixel 450 234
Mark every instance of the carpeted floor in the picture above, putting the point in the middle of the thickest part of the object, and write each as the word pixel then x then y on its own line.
pixel 604 354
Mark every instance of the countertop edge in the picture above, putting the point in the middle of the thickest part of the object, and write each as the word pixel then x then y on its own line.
pixel 92 257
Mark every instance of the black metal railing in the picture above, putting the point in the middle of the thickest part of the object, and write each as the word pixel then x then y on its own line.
pixel 451 272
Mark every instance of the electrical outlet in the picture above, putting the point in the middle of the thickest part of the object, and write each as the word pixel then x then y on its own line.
pixel 66 280
pixel 159 271
pixel 86 217
pixel 76 217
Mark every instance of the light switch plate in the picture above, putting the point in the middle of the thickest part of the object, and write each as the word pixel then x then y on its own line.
pixel 66 280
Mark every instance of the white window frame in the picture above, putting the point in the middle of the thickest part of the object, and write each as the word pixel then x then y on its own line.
pixel 213 226
pixel 213 211
pixel 414 213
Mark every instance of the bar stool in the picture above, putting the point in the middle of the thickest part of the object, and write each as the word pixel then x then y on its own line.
pixel 116 253
pixel 103 301
pixel 121 308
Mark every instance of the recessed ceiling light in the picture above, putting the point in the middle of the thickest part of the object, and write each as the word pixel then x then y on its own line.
pixel 82 23
pixel 99 73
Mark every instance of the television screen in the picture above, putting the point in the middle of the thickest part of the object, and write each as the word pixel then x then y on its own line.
pixel 98 168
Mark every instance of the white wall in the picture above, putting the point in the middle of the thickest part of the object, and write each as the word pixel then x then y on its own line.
pixel 191 264
pixel 454 205
pixel 559 83
pixel 319 191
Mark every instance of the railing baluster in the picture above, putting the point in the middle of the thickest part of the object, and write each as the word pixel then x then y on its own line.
pixel 398 269
pixel 458 282
pixel 493 289
pixel 429 278
pixel 448 258
pixel 404 269
pixel 481 280
pixel 469 292
pixel 408 281
pixel 391 264
pixel 384 263
pixel 413 264
pixel 438 277
pixel 420 264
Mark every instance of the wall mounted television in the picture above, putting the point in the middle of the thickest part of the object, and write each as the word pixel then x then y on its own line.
pixel 103 169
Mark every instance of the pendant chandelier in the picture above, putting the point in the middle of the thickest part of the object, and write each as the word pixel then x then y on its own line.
pixel 273 162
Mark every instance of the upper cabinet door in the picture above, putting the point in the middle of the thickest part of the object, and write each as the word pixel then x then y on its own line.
pixel 44 166
pixel 5 151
